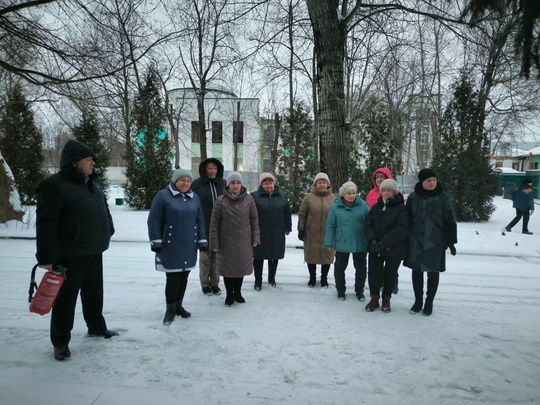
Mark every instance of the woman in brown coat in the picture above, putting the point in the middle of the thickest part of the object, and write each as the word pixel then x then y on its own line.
pixel 234 232
pixel 312 228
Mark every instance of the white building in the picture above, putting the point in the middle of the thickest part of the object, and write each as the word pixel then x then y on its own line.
pixel 222 109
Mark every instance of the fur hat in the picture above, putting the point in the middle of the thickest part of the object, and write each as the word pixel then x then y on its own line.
pixel 426 174
pixel 391 184
pixel 181 173
pixel 346 186
pixel 232 176
pixel 321 176
pixel 265 176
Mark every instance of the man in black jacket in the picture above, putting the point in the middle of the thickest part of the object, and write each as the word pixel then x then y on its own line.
pixel 73 229
pixel 209 186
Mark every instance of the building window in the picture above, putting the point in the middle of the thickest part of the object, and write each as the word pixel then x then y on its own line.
pixel 217 132
pixel 195 132
pixel 238 131
pixel 535 166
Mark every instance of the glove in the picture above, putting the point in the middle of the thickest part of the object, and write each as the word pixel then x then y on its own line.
pixel 374 247
pixel 452 249
pixel 203 247
pixel 301 235
pixel 382 246
pixel 156 249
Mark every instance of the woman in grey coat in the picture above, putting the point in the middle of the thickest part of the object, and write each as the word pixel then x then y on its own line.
pixel 234 232
pixel 432 230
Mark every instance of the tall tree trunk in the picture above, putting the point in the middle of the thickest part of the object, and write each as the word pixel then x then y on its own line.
pixel 329 36
pixel 202 123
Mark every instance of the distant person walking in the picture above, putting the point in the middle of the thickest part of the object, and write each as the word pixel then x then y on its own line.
pixel 345 234
pixel 209 186
pixel 73 229
pixel 176 229
pixel 275 223
pixel 234 232
pixel 312 228
pixel 432 230
pixel 524 205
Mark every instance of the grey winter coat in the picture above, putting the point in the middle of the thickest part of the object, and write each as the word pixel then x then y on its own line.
pixel 234 228
pixel 176 225
pixel 432 228
pixel 274 221
pixel 312 218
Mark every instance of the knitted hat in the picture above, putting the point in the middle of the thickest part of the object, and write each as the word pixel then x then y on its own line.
pixel 426 174
pixel 526 181
pixel 389 184
pixel 347 186
pixel 265 176
pixel 181 173
pixel 232 176
pixel 321 176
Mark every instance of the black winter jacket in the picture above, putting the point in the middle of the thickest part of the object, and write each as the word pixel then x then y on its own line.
pixel 389 225
pixel 208 189
pixel 274 214
pixel 73 218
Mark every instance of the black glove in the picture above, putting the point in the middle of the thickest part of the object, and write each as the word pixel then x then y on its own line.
pixel 382 246
pixel 452 249
pixel 203 248
pixel 301 235
pixel 374 247
pixel 156 249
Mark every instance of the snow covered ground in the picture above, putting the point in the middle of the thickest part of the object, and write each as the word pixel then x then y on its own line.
pixel 291 344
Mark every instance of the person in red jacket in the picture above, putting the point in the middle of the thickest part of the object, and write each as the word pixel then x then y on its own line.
pixel 377 178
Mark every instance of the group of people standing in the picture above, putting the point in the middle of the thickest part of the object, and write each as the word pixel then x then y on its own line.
pixel 236 232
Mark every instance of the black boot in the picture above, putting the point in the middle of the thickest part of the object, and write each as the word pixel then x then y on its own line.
pixel 312 268
pixel 238 290
pixel 61 352
pixel 432 286
pixel 272 269
pixel 418 288
pixel 169 314
pixel 325 268
pixel 258 270
pixel 229 288
pixel 180 311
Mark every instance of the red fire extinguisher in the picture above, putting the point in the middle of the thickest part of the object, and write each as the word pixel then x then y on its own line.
pixel 47 291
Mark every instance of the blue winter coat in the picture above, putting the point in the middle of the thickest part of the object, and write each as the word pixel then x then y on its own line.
pixel 524 199
pixel 345 226
pixel 274 220
pixel 176 224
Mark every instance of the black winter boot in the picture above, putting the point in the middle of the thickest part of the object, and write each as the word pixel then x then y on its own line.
pixel 432 286
pixel 418 287
pixel 325 268
pixel 258 271
pixel 229 287
pixel 272 269
pixel 238 290
pixel 169 314
pixel 312 268
pixel 180 311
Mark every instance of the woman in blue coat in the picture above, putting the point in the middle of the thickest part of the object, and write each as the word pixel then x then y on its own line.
pixel 345 234
pixel 275 223
pixel 176 229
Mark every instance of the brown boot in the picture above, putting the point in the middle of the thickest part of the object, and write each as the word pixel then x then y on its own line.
pixel 386 303
pixel 373 304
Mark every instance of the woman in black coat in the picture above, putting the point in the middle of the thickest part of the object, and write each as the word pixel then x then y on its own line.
pixel 275 223
pixel 432 230
pixel 386 229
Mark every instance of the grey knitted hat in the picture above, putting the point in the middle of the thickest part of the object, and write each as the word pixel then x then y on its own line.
pixel 181 173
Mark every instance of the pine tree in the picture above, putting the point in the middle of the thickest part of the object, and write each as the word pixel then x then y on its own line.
pixel 149 154
pixel 296 165
pixel 462 163
pixel 21 144
pixel 88 132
